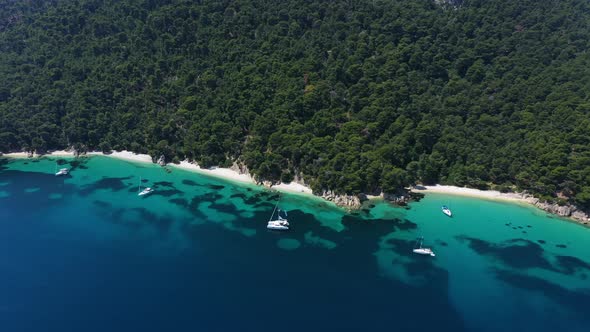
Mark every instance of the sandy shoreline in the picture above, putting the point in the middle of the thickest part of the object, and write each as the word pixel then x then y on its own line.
pixel 224 173
pixel 297 188
pixel 470 192
pixel 219 172
pixel 124 155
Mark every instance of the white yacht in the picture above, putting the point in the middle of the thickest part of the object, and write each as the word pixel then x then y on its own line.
pixel 280 223
pixel 423 251
pixel 144 192
pixel 446 211
pixel 63 171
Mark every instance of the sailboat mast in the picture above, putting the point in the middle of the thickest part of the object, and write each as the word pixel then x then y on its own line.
pixel 273 211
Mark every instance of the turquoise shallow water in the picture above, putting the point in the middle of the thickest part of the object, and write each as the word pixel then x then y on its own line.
pixel 84 252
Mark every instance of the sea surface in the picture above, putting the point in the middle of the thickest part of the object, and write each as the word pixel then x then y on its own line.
pixel 85 253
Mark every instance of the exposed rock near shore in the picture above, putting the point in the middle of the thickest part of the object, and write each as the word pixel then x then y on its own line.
pixel 400 199
pixel 568 210
pixel 347 201
pixel 161 161
pixel 240 168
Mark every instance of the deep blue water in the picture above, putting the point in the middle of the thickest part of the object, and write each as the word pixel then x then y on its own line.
pixel 84 253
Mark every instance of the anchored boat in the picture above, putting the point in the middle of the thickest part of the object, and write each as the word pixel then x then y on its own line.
pixel 421 250
pixel 280 223
pixel 446 211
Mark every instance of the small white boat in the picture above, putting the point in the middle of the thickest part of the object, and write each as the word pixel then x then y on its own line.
pixel 144 192
pixel 423 251
pixel 280 223
pixel 446 211
pixel 63 171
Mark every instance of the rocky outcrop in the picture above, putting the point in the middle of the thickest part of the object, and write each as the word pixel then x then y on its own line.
pixel 347 201
pixel 162 161
pixel 568 211
pixel 400 199
pixel 240 168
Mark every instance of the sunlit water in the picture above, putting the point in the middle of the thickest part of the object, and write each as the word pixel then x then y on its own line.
pixel 85 253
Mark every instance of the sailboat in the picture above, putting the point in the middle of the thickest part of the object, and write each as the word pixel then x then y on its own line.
pixel 63 171
pixel 446 211
pixel 422 251
pixel 280 223
pixel 144 192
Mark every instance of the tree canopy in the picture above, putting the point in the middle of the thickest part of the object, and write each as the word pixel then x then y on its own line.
pixel 354 96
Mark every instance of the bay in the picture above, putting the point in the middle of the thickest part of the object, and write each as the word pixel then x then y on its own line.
pixel 84 252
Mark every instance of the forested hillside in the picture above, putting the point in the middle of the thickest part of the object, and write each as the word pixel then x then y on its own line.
pixel 356 96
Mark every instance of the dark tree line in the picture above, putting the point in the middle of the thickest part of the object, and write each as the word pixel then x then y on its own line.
pixel 355 96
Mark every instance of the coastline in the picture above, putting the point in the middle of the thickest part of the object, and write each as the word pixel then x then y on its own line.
pixel 227 174
pixel 235 175
pixel 470 192
pixel 569 212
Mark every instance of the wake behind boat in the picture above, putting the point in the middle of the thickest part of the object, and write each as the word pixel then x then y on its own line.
pixel 423 251
pixel 280 223
pixel 446 211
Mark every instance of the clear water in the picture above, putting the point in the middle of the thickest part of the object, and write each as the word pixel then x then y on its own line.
pixel 85 253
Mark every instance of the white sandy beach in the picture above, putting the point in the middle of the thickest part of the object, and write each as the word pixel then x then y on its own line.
pixel 487 194
pixel 124 155
pixel 293 187
pixel 232 175
pixel 223 173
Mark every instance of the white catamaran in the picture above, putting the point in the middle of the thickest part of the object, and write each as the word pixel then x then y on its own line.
pixel 280 223
pixel 422 251
pixel 144 192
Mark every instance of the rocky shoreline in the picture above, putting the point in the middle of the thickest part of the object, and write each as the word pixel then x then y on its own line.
pixel 566 211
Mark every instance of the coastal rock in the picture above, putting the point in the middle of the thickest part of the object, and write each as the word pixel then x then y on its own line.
pixel 162 161
pixel 396 198
pixel 347 201
pixel 240 168
pixel 266 183
pixel 568 210
pixel 562 211
pixel 581 216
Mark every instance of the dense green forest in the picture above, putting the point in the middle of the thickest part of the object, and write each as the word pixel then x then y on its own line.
pixel 355 96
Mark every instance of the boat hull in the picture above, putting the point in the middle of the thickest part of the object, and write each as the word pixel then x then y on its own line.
pixel 145 192
pixel 447 211
pixel 278 228
pixel 424 252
